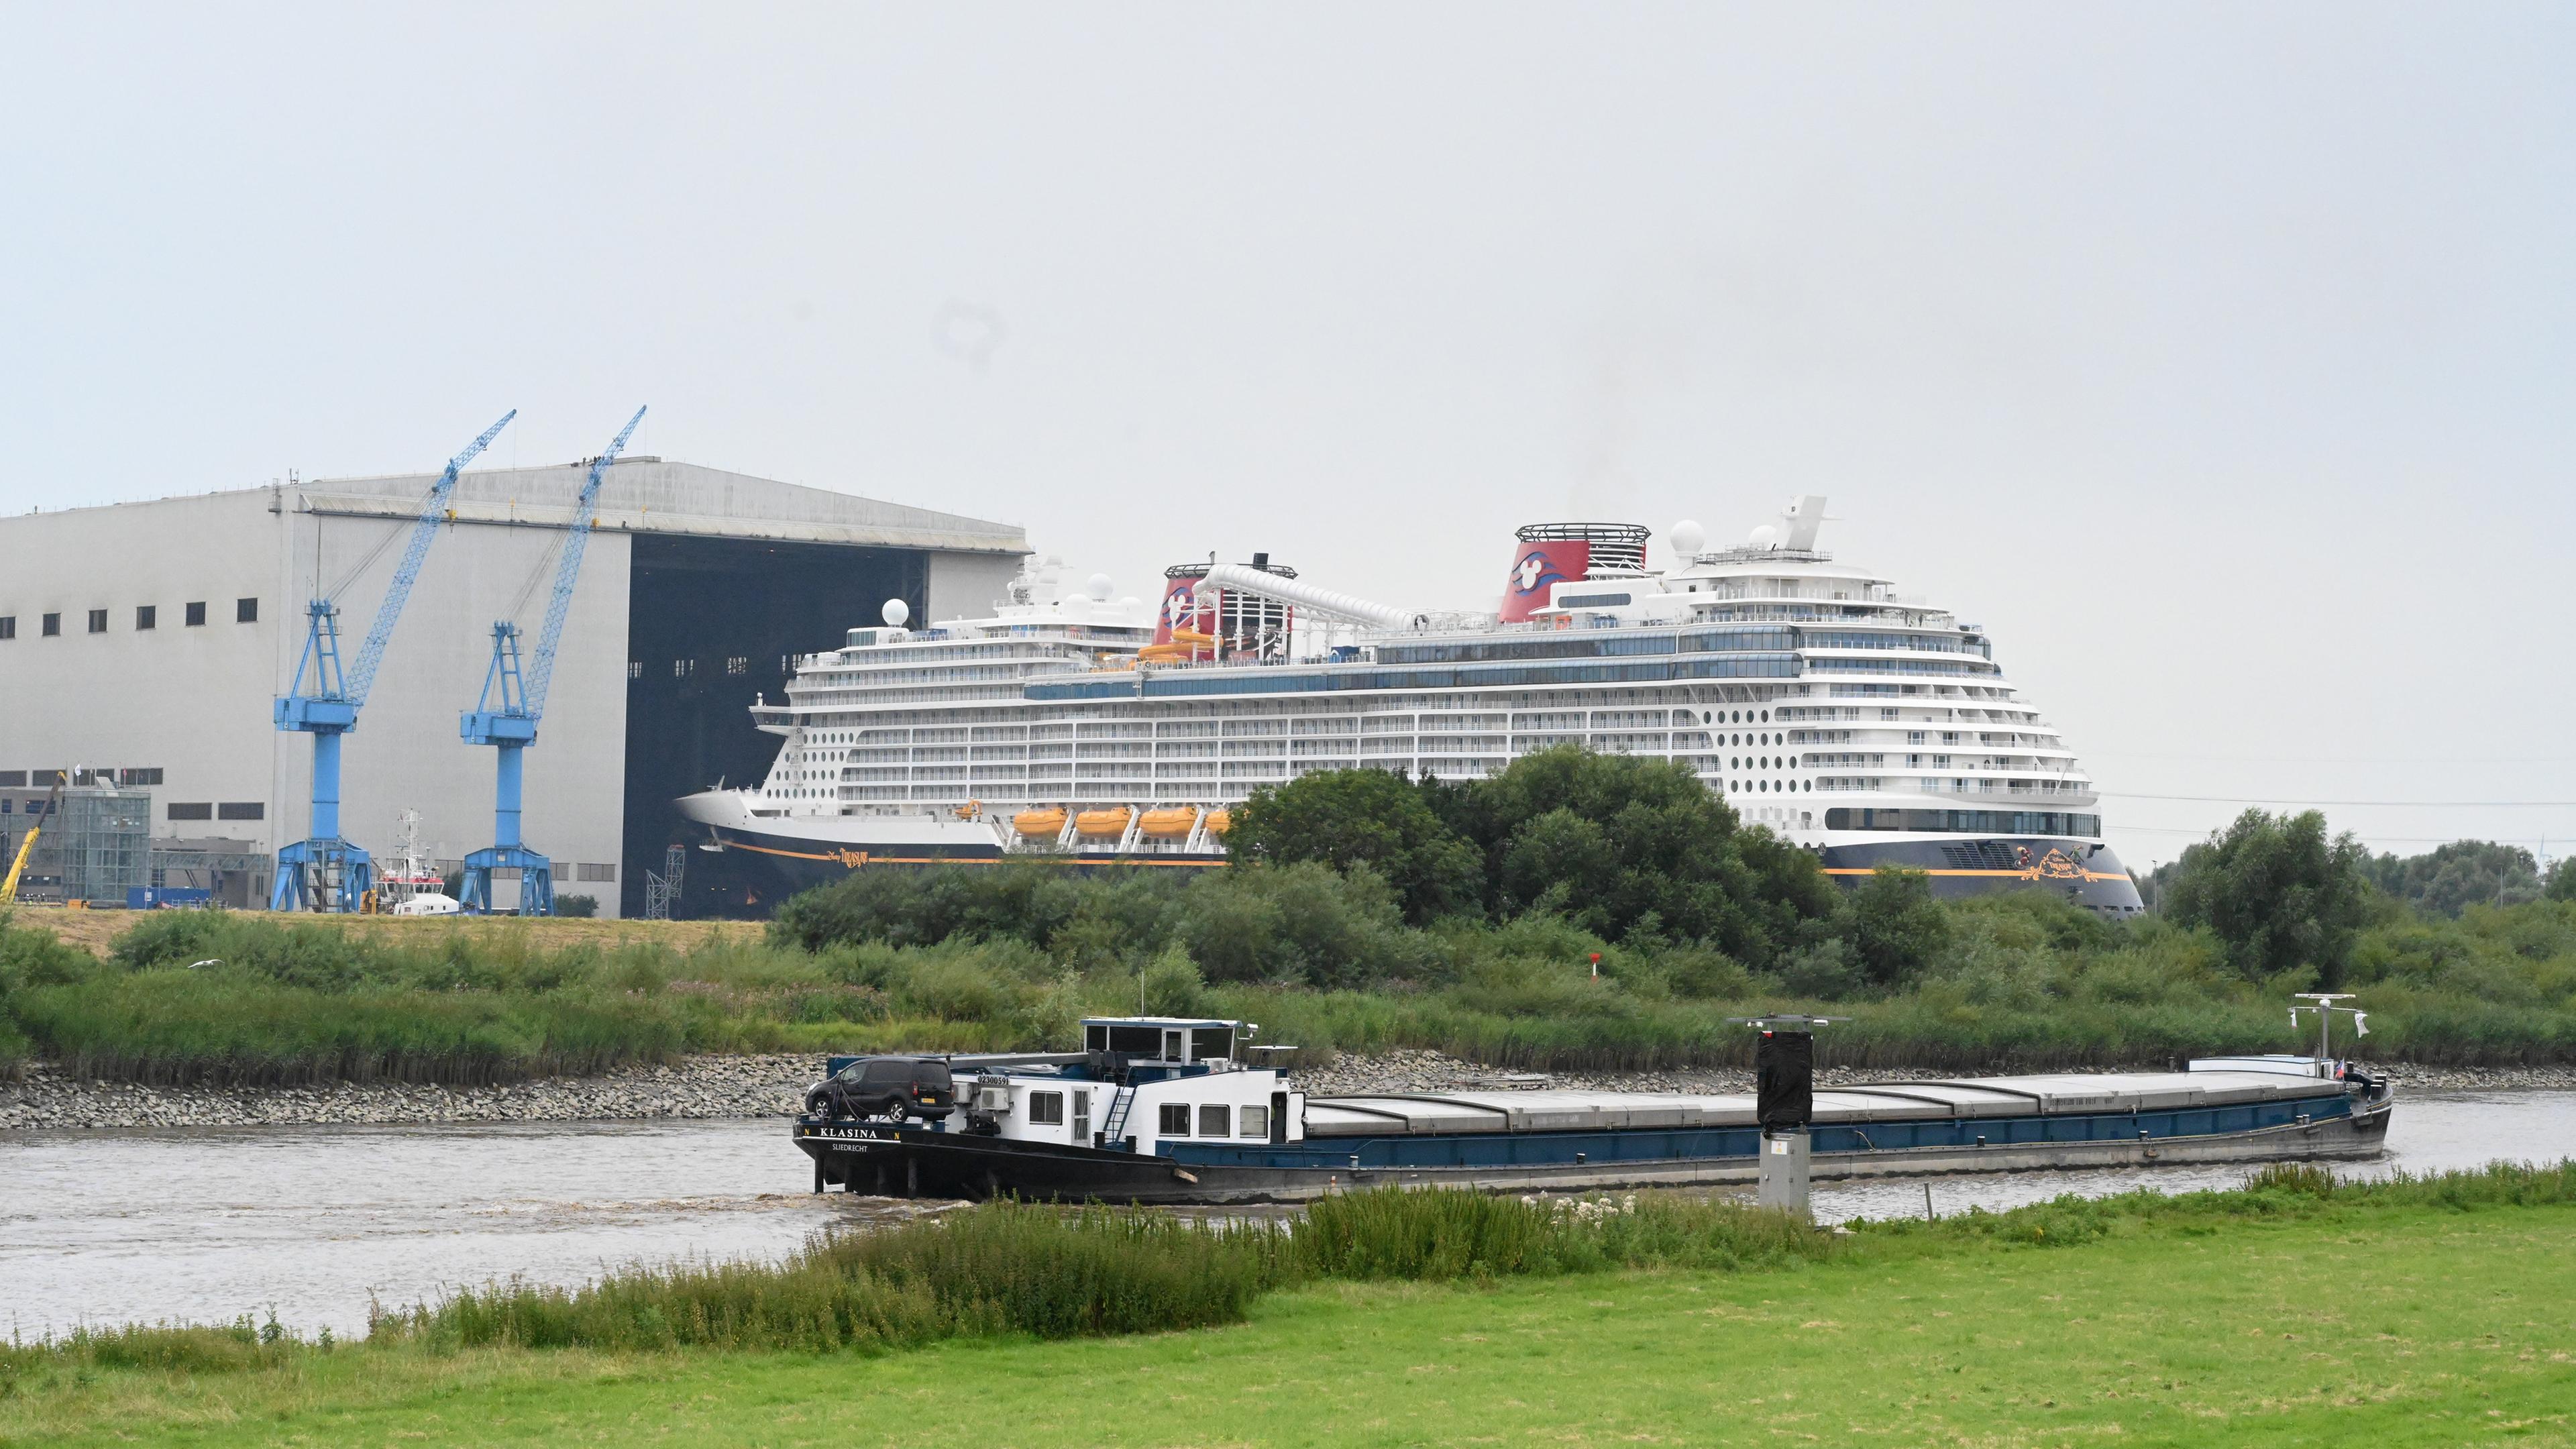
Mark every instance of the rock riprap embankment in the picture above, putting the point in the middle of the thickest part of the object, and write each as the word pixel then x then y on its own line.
pixel 773 1086
pixel 699 1087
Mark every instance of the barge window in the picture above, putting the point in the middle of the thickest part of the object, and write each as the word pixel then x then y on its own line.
pixel 1214 1120
pixel 1255 1122
pixel 1176 1119
pixel 1046 1109
pixel 1137 1041
pixel 1211 1043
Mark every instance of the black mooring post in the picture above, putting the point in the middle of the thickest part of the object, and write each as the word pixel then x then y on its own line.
pixel 1784 1086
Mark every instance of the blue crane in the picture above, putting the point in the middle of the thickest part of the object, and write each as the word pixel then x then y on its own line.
pixel 506 716
pixel 324 872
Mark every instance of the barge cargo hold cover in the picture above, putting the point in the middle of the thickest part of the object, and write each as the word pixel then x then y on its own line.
pixel 1171 1115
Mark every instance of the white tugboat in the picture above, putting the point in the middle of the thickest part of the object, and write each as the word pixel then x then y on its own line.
pixel 409 884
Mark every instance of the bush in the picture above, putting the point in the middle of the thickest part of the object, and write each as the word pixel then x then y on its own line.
pixel 901 906
pixel 577 908
pixel 1303 924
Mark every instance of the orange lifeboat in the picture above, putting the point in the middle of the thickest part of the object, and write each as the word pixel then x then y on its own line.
pixel 1220 821
pixel 1170 824
pixel 1103 824
pixel 1039 824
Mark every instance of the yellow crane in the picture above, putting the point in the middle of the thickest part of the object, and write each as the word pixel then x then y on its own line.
pixel 27 847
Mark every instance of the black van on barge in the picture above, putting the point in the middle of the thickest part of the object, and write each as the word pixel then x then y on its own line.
pixel 1180 1110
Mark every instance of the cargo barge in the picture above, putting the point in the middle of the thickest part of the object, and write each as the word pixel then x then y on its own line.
pixel 1165 1110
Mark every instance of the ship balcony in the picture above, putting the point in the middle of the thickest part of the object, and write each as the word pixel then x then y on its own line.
pixel 2048 792
pixel 1915 782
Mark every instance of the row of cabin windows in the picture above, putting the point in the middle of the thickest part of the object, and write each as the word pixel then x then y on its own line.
pixel 40 779
pixel 1213 1120
pixel 146 616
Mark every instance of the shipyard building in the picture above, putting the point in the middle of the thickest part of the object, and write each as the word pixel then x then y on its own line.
pixel 141 646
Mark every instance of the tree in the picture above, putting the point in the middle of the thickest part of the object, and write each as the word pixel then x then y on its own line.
pixel 1895 926
pixel 2277 893
pixel 2450 878
pixel 1365 817
pixel 1620 842
pixel 2562 882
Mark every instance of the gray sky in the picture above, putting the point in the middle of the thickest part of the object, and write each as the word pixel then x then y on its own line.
pixel 2217 359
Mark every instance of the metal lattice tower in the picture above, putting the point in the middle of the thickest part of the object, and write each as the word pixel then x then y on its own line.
pixel 662 887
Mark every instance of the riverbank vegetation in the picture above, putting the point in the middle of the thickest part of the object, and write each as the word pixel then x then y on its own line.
pixel 1657 1315
pixel 1576 912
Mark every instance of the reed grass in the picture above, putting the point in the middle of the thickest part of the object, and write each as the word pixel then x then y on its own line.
pixel 1006 1268
pixel 1001 1268
pixel 191 1348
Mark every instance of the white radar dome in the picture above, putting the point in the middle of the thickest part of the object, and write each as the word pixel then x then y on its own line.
pixel 1688 539
pixel 1763 536
pixel 1098 588
pixel 1077 607
pixel 896 612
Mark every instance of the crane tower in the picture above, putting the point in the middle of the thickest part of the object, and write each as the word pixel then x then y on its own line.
pixel 513 701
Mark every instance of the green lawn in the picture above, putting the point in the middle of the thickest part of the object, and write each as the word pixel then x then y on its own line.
pixel 2379 1328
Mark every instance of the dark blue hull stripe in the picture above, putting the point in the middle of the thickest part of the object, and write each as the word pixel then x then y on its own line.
pixel 1539 1149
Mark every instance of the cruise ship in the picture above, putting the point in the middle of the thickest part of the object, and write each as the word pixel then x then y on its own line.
pixel 1864 725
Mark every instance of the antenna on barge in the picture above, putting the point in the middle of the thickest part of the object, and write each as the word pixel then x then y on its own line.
pixel 2325 1010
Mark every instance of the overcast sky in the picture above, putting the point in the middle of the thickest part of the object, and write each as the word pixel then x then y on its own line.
pixel 2217 359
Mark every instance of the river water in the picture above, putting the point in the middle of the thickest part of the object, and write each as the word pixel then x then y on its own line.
pixel 312 1223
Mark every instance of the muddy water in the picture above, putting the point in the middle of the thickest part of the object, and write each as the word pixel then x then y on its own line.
pixel 113 1227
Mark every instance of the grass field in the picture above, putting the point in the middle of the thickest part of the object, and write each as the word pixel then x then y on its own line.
pixel 2413 1324
pixel 95 931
